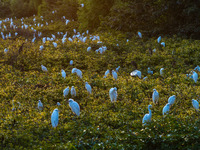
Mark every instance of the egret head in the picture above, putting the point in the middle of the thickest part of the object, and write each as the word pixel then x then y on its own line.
pixel 150 106
pixel 168 104
pixel 72 86
pixel 86 82
pixel 70 100
pixel 58 104
pixel 154 90
pixel 56 110
pixel 115 88
pixel 39 101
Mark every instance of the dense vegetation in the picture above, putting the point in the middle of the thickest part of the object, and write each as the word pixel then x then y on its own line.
pixel 152 17
pixel 102 124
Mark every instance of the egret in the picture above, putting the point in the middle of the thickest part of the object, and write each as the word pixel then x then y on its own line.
pixel 149 71
pixel 58 104
pixel 71 62
pixel 117 69
pixel 106 73
pixel 113 94
pixel 41 47
pixel 159 39
pixel 136 73
pixel 114 74
pixel 195 104
pixel 44 68
pixel 140 34
pixel 63 73
pixel 195 76
pixel 70 39
pixel 147 117
pixel 163 44
pixel 172 99
pixel 66 91
pixel 55 44
pixel 67 21
pixel 73 91
pixel 145 78
pixel 166 109
pixel 78 72
pixel 82 5
pixel 5 50
pixel 54 117
pixel 88 49
pixel 88 87
pixel 74 70
pixel 74 107
pixel 161 71
pixel 155 96
pixel 197 68
pixel 40 105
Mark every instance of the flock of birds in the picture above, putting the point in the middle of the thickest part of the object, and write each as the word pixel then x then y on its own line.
pixel 113 91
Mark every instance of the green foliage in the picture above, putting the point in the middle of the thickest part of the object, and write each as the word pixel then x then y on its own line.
pixel 155 17
pixel 89 16
pixel 102 124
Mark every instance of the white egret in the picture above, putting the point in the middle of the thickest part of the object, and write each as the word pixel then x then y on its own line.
pixel 159 39
pixel 5 50
pixel 147 117
pixel 58 104
pixel 63 73
pixel 41 47
pixel 114 74
pixel 78 72
pixel 71 62
pixel 145 78
pixel 172 99
pixel 113 94
pixel 44 68
pixel 197 68
pixel 74 70
pixel 88 87
pixel 155 96
pixel 82 5
pixel 67 21
pixel 66 91
pixel 195 76
pixel 140 34
pixel 70 39
pixel 74 107
pixel 55 117
pixel 106 73
pixel 73 91
pixel 117 69
pixel 162 71
pixel 195 104
pixel 149 71
pixel 163 44
pixel 136 73
pixel 55 44
pixel 88 49
pixel 166 109
pixel 40 105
